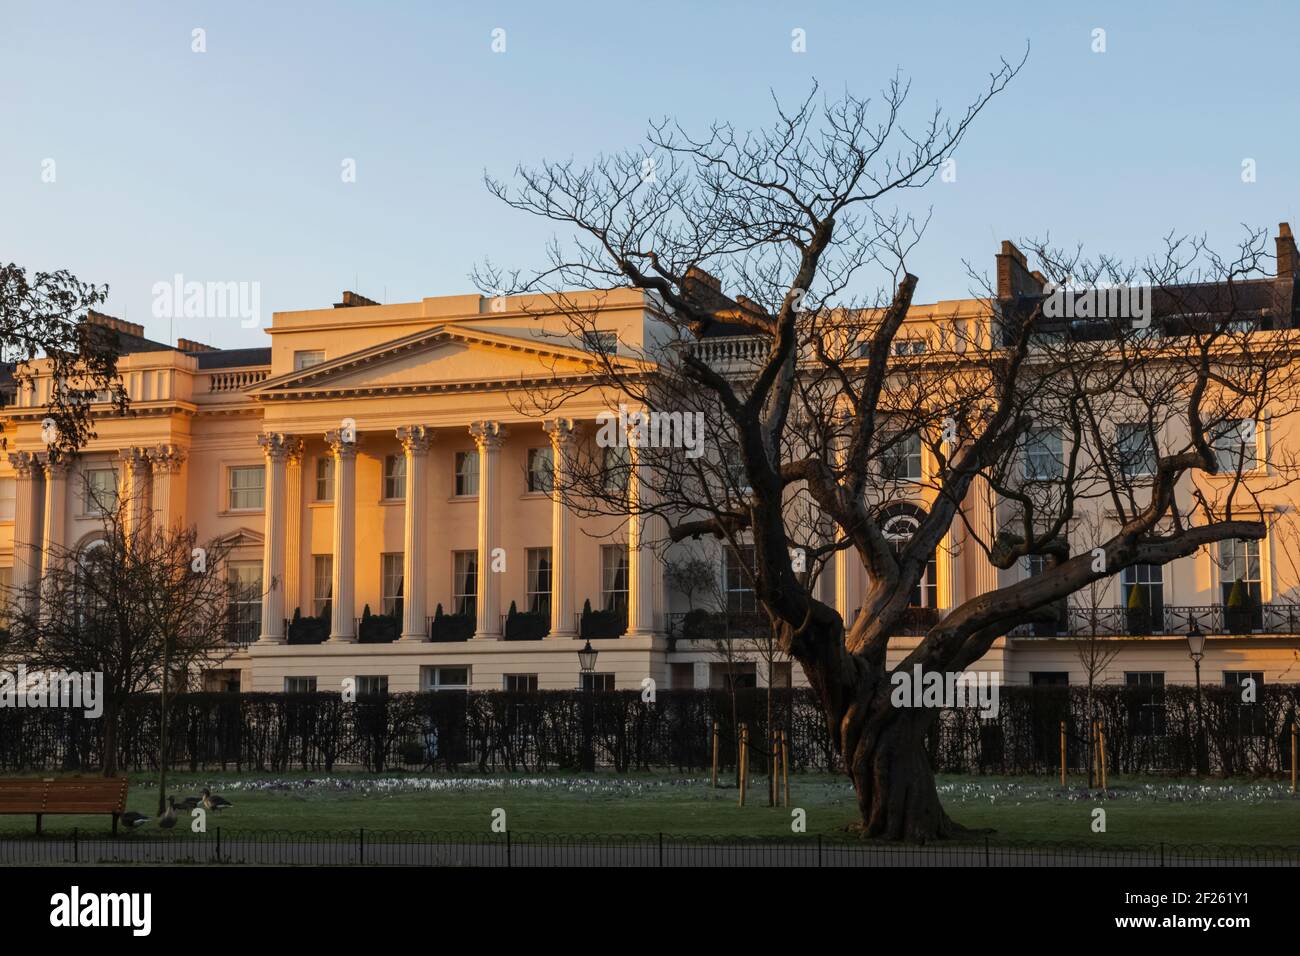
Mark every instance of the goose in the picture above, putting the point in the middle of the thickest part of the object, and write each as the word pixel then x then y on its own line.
pixel 211 802
pixel 189 803
pixel 134 820
pixel 168 819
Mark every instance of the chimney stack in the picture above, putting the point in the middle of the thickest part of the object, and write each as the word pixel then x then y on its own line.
pixel 189 346
pixel 116 324
pixel 1286 252
pixel 1014 277
pixel 352 300
pixel 695 274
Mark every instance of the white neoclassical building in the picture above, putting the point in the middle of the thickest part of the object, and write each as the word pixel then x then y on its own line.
pixel 387 499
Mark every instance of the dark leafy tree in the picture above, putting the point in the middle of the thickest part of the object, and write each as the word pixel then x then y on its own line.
pixel 45 317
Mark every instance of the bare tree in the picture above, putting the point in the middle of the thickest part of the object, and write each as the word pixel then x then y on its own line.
pixel 142 604
pixel 816 405
pixel 1094 645
pixel 690 575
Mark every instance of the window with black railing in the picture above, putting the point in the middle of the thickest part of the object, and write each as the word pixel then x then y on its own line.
pixel 1241 585
pixel 464 583
pixel 1055 619
pixel 244 612
pixel 613 577
pixel 1143 591
pixel 538 581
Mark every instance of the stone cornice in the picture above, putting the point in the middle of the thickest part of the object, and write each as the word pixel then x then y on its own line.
pixel 436 388
pixel 313 382
pixel 134 410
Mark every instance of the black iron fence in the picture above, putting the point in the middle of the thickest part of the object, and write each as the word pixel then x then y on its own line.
pixel 1146 730
pixel 459 849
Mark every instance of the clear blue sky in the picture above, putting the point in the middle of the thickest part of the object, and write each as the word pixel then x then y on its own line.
pixel 225 166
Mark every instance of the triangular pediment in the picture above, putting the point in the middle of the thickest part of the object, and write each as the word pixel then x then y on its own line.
pixel 442 358
pixel 242 538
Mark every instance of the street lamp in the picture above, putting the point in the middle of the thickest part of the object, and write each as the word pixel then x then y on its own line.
pixel 587 658
pixel 587 662
pixel 1196 648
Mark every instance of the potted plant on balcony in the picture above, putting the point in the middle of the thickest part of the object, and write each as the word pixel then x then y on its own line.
pixel 701 625
pixel 1238 615
pixel 377 628
pixel 1139 615
pixel 597 624
pixel 451 627
pixel 308 630
pixel 526 625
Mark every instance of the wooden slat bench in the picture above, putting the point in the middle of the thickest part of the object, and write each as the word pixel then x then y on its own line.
pixel 81 795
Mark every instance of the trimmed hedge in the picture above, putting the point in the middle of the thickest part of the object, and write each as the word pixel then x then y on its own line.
pixel 497 730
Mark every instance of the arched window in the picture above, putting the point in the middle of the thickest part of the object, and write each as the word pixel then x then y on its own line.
pixel 92 558
pixel 899 524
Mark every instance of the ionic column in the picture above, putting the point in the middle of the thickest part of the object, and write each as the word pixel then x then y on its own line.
pixel 415 441
pixel 343 625
pixel 27 518
pixel 562 601
pixel 983 528
pixel 489 437
pixel 843 569
pixel 645 570
pixel 949 570
pixel 56 513
pixel 276 446
pixel 293 528
pixel 168 503
pixel 136 472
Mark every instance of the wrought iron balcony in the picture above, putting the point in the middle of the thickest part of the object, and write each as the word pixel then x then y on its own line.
pixel 703 625
pixel 1167 620
pixel 242 633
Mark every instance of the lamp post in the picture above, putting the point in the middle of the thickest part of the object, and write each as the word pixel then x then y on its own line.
pixel 1196 648
pixel 587 659
pixel 587 665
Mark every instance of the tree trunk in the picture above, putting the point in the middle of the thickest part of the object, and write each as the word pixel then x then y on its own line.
pixel 162 740
pixel 110 717
pixel 735 722
pixel 883 746
pixel 771 741
pixel 891 774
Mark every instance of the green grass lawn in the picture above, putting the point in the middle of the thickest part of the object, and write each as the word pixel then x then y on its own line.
pixel 1139 810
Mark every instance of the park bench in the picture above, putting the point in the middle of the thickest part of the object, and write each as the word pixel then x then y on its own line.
pixel 80 795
